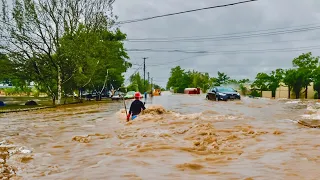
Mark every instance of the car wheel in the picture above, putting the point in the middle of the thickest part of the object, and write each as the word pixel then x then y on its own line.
pixel 207 97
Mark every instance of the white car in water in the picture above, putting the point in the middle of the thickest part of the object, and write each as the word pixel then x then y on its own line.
pixel 117 96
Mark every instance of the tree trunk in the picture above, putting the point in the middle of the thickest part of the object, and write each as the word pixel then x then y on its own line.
pixel 306 93
pixel 80 94
pixel 59 86
pixel 98 97
pixel 289 92
pixel 297 94
pixel 54 100
pixel 65 99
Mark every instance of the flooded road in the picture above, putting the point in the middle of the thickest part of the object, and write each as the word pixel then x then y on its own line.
pixel 178 137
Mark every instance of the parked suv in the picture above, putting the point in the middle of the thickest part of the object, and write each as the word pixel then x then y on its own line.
pixel 223 93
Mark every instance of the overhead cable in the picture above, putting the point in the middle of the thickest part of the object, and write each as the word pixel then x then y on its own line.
pixel 231 37
pixel 182 12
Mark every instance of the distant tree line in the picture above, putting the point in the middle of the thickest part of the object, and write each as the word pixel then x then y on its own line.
pixel 306 69
pixel 139 85
pixel 180 79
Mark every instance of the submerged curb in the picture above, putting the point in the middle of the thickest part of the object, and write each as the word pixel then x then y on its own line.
pixel 26 109
pixel 36 108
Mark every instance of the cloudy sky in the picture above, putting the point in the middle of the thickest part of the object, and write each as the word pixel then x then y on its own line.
pixel 236 35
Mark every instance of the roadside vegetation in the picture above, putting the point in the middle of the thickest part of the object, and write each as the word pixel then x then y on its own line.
pixel 138 84
pixel 68 47
pixel 61 46
pixel 181 79
pixel 305 69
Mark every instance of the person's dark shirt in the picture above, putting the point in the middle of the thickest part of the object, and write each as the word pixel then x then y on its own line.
pixel 136 107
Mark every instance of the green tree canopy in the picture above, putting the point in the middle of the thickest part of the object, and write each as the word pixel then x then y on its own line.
pixel 222 79
pixel 295 79
pixel 61 44
pixel 306 64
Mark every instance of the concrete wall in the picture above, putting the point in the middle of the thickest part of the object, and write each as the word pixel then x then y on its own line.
pixel 311 92
pixel 283 90
pixel 266 94
pixel 2 93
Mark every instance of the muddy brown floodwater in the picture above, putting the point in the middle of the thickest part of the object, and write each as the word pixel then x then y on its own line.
pixel 177 137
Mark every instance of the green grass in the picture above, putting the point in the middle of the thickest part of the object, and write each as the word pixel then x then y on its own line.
pixel 17 103
pixel 16 107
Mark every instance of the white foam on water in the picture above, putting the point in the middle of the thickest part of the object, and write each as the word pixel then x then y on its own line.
pixel 292 102
pixel 311 116
pixel 24 150
pixel 88 126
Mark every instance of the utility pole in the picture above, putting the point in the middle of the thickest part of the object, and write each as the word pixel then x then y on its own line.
pixel 148 81
pixel 151 87
pixel 151 83
pixel 144 73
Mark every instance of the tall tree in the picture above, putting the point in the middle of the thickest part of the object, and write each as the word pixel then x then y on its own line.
pixel 11 73
pixel 7 69
pixel 222 78
pixel 316 81
pixel 178 80
pixel 261 82
pixel 275 78
pixel 306 64
pixel 201 80
pixel 32 32
pixel 98 56
pixel 136 83
pixel 243 81
pixel 295 80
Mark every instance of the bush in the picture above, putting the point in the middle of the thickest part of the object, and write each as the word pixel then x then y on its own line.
pixel 27 90
pixel 17 91
pixel 243 89
pixel 35 92
pixel 9 91
pixel 255 93
pixel 315 95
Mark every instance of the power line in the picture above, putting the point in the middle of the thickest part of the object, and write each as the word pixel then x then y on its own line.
pixel 224 37
pixel 250 43
pixel 234 33
pixel 182 12
pixel 243 52
pixel 209 52
pixel 137 69
pixel 178 60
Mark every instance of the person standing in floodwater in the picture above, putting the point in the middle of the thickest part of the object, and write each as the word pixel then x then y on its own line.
pixel 145 96
pixel 136 107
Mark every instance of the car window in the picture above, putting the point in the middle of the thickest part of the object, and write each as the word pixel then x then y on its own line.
pixel 131 93
pixel 225 89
